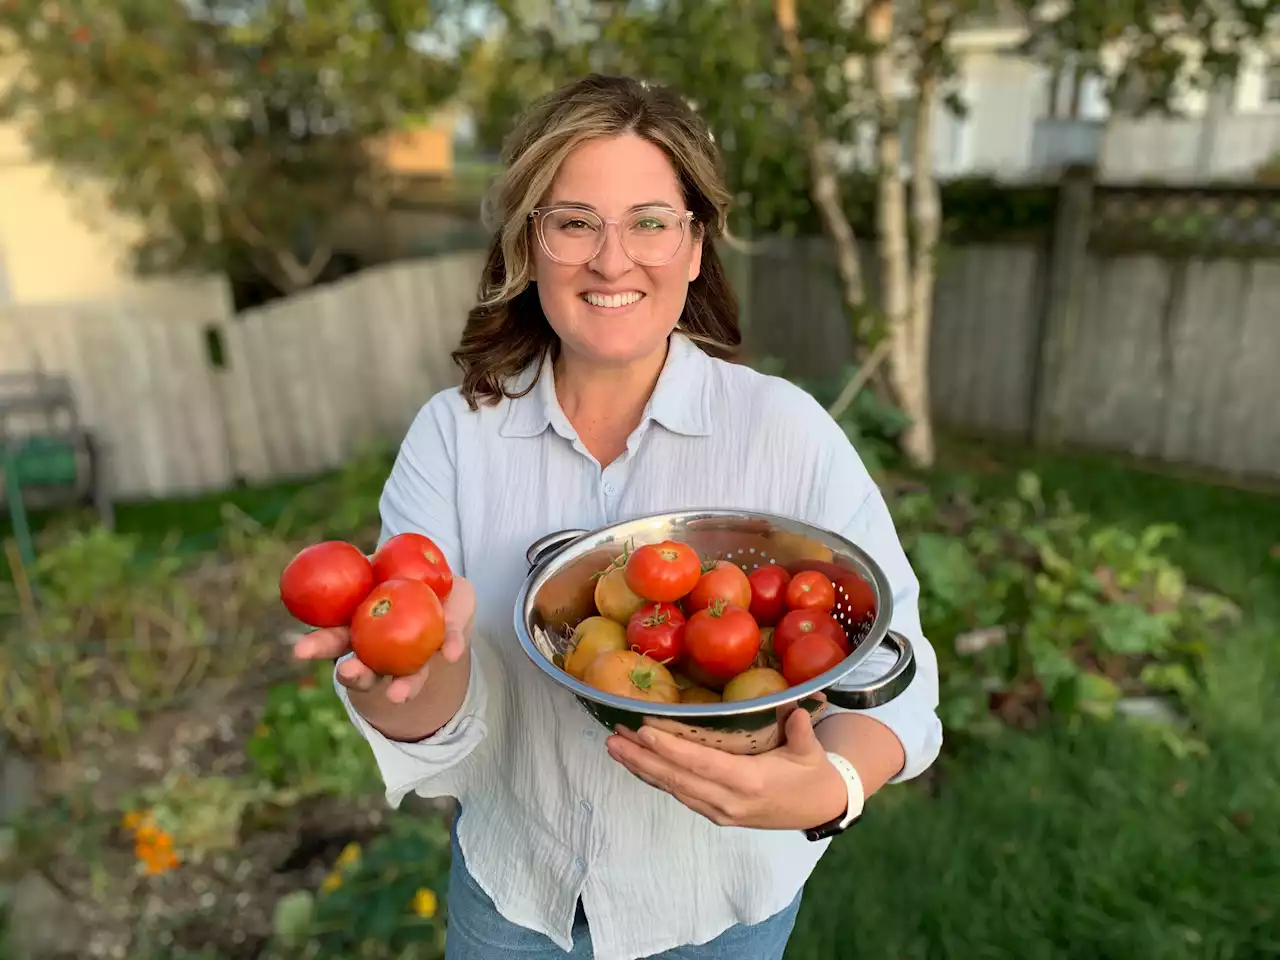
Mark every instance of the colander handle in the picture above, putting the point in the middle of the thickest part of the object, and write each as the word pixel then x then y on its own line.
pixel 884 688
pixel 544 547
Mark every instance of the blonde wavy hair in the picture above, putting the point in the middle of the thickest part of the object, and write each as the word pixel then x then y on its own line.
pixel 506 331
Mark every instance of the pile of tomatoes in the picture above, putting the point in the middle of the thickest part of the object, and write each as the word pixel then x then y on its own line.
pixel 670 628
pixel 392 601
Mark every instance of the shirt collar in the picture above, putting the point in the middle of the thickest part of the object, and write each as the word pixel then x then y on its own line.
pixel 679 400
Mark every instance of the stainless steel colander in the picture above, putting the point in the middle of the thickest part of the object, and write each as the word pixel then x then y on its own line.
pixel 559 593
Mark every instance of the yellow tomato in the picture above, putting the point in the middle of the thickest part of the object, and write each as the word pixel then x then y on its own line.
pixel 756 682
pixel 698 695
pixel 592 637
pixel 614 599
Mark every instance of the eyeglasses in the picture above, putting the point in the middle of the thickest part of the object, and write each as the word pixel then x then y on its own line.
pixel 572 234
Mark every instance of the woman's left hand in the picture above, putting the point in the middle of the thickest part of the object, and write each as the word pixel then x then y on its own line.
pixel 792 787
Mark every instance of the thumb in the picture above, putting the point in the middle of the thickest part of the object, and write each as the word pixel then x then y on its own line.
pixel 800 736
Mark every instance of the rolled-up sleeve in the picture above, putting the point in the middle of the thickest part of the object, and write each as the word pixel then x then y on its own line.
pixel 419 496
pixel 850 503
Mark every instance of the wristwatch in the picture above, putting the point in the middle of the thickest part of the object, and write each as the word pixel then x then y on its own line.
pixel 857 797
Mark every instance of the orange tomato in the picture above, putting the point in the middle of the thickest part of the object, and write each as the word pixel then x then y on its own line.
pixel 626 673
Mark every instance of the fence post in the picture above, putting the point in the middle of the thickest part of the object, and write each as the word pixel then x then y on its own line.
pixel 1068 260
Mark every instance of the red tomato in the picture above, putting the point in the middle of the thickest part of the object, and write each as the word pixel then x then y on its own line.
pixel 809 656
pixel 398 628
pixel 810 590
pixel 657 631
pixel 411 556
pixel 724 581
pixel 722 641
pixel 768 594
pixel 858 599
pixel 663 572
pixel 800 623
pixel 325 582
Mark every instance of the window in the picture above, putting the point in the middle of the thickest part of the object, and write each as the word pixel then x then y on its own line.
pixel 1271 83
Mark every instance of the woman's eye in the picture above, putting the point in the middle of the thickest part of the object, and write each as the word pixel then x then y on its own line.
pixel 650 223
pixel 575 225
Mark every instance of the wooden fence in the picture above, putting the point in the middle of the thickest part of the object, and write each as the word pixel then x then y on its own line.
pixel 1145 324
pixel 188 397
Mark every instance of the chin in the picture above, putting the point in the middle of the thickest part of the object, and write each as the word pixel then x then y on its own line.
pixel 617 343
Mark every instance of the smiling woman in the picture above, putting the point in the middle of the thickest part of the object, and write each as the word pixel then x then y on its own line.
pixel 595 390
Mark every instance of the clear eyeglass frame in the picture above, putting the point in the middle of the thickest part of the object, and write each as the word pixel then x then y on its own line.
pixel 538 215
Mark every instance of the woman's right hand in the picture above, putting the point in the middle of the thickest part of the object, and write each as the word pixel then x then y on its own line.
pixel 335 642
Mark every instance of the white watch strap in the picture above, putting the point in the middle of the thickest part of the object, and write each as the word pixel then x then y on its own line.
pixel 853 783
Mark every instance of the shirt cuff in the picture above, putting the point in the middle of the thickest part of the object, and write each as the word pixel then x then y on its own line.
pixel 434 765
pixel 910 715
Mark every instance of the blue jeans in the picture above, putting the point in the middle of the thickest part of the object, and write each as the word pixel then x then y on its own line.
pixel 478 932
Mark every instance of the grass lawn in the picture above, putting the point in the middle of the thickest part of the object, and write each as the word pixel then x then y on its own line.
pixel 1100 844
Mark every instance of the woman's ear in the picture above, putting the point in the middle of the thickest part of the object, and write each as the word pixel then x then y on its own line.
pixel 695 261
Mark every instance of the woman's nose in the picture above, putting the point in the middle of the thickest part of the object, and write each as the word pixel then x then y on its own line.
pixel 612 260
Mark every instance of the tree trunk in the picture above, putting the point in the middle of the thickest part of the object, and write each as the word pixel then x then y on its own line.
pixel 892 247
pixel 824 185
pixel 926 215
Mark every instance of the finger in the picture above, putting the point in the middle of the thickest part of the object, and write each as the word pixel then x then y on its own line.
pixel 731 771
pixel 801 738
pixel 354 675
pixel 713 814
pixel 459 615
pixel 403 689
pixel 681 782
pixel 327 644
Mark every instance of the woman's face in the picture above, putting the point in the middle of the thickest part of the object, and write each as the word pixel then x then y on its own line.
pixel 612 310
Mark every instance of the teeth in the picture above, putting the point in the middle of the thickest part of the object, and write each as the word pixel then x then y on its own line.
pixel 615 300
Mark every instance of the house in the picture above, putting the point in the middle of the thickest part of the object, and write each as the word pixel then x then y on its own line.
pixel 1024 122
pixel 61 241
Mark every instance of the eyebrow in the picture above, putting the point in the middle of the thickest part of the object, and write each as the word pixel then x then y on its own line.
pixel 636 206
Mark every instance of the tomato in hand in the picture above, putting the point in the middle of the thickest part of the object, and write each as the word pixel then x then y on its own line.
pixel 412 556
pixel 626 673
pixel 809 656
pixel 756 682
pixel 325 582
pixel 663 572
pixel 398 627
pixel 768 594
pixel 721 641
pixel 592 637
pixel 801 623
pixel 657 631
pixel 614 599
pixel 811 590
pixel 724 581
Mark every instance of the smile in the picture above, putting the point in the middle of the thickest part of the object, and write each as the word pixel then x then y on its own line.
pixel 613 300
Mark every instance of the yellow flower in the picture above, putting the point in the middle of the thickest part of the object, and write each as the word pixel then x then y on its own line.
pixel 425 903
pixel 132 820
pixel 331 883
pixel 349 855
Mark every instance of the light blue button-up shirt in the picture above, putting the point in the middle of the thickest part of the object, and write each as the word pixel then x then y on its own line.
pixel 547 816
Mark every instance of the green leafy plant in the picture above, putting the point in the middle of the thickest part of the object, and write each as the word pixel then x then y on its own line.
pixel 307 743
pixel 1036 609
pixel 382 903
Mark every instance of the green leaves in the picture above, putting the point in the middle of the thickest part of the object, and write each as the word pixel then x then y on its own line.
pixel 1036 609
pixel 232 132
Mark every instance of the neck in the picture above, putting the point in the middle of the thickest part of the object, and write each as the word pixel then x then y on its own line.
pixel 606 403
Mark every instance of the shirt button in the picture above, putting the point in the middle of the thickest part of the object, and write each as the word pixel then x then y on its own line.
pixel 610 490
pixel 580 864
pixel 586 807
pixel 589 734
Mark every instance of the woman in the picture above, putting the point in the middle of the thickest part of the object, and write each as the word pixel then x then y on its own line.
pixel 591 393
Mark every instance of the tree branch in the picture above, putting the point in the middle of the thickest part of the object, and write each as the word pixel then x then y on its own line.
pixel 825 186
